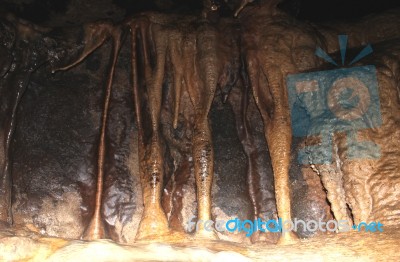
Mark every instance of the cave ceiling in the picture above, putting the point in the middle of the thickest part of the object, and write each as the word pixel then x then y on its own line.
pixel 73 12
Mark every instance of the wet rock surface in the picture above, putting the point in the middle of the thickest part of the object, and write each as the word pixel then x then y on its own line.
pixel 54 155
pixel 51 127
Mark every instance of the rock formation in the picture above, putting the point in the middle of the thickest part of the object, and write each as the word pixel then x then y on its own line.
pixel 115 177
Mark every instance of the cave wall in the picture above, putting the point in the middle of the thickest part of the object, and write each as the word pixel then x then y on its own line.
pixel 55 143
pixel 58 119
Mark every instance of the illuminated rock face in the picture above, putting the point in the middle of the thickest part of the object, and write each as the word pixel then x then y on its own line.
pixel 188 116
pixel 365 154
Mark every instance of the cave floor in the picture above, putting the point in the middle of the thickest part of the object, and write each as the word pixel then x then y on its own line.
pixel 350 246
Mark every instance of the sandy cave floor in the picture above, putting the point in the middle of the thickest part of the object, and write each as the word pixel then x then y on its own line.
pixel 350 246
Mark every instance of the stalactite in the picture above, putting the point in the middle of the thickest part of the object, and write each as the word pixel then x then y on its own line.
pixel 192 46
pixel 270 58
pixel 95 35
pixel 201 54
pixel 200 61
